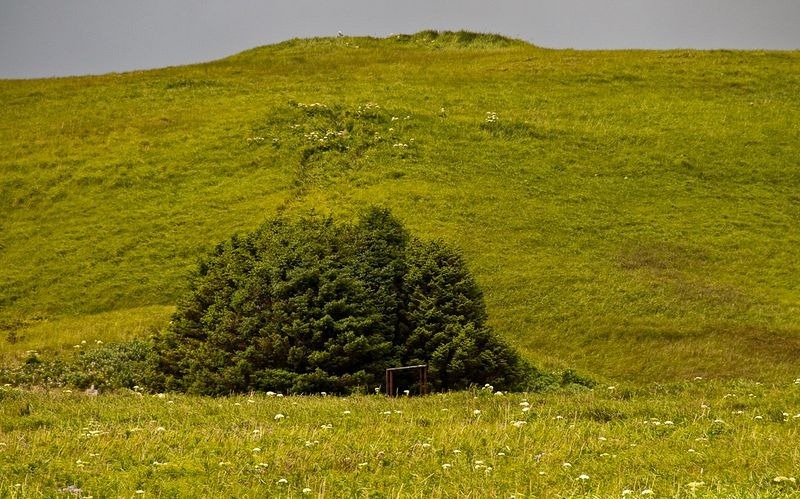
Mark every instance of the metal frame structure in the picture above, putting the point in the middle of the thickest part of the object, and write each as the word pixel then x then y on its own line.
pixel 422 373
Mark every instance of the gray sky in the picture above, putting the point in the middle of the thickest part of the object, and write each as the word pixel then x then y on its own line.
pixel 71 37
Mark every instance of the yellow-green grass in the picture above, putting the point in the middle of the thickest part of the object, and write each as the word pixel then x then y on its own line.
pixel 68 335
pixel 631 214
pixel 700 438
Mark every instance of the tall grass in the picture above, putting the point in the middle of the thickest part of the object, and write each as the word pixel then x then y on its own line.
pixel 695 439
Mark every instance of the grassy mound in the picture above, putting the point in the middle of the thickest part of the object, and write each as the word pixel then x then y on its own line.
pixel 633 214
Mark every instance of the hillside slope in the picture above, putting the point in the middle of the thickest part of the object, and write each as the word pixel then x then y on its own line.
pixel 633 214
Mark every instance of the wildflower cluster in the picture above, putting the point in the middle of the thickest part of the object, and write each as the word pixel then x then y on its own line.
pixel 334 137
pixel 369 110
pixel 93 430
pixel 327 140
pixel 335 128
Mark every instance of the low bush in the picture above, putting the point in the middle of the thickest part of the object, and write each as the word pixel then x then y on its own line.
pixel 113 366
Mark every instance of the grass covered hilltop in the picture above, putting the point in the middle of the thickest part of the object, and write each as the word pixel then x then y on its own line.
pixel 633 215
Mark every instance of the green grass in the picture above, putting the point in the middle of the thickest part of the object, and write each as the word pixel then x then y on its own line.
pixel 698 439
pixel 73 334
pixel 631 213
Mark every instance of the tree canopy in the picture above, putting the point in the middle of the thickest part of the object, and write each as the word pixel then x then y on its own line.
pixel 312 305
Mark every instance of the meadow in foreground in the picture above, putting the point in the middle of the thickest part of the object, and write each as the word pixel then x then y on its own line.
pixel 695 439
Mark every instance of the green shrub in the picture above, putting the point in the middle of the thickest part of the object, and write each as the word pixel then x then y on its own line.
pixel 117 365
pixel 312 305
pixel 112 366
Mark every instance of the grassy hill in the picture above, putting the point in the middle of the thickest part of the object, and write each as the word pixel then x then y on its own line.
pixel 632 214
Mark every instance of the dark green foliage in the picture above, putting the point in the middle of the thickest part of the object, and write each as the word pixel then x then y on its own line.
pixel 118 365
pixel 317 306
pixel 458 39
pixel 446 317
pixel 570 377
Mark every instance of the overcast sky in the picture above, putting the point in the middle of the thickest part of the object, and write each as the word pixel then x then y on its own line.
pixel 72 37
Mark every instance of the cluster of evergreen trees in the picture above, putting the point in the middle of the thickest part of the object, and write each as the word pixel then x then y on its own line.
pixel 313 305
